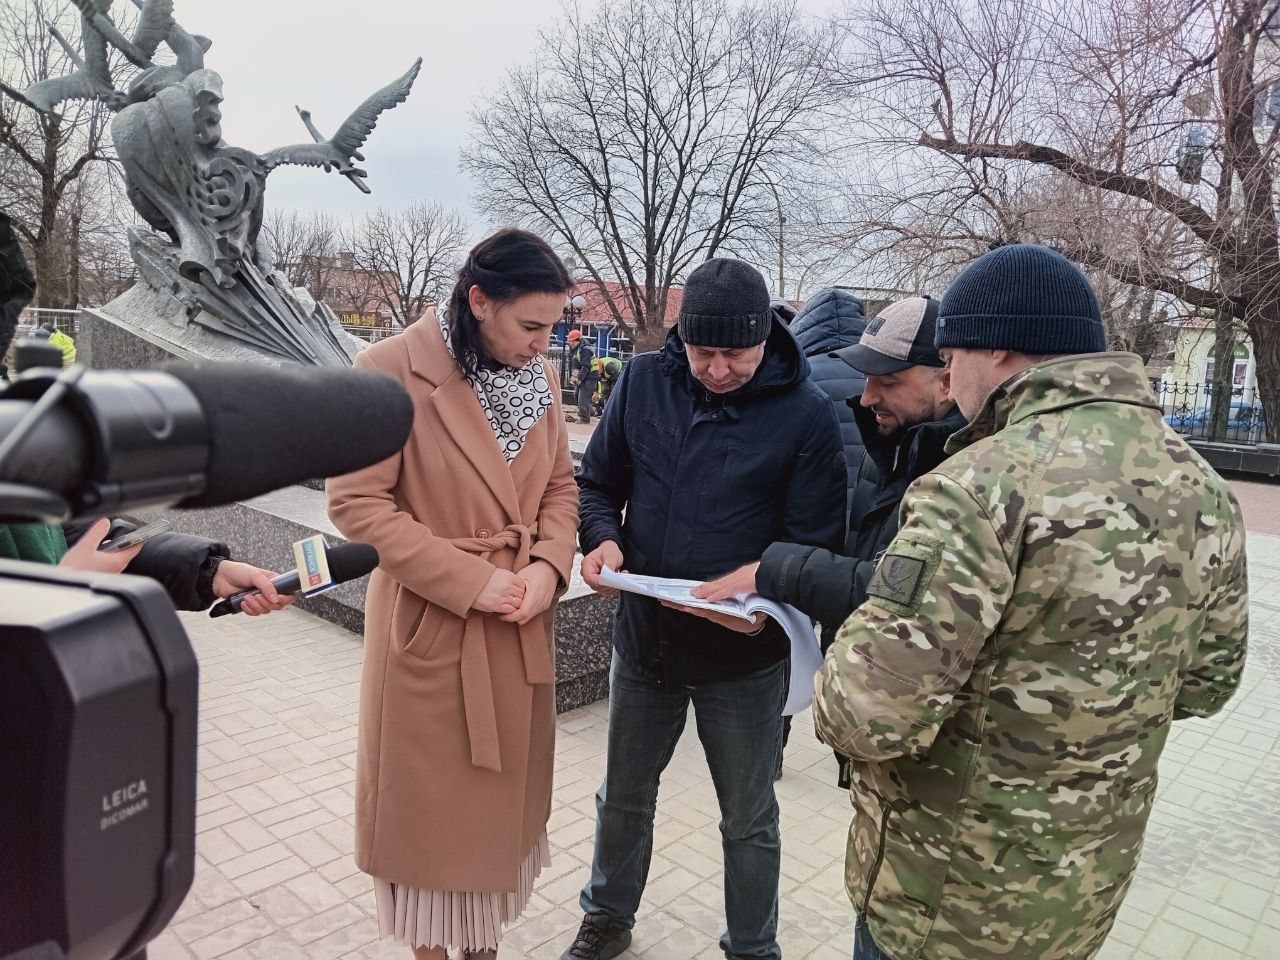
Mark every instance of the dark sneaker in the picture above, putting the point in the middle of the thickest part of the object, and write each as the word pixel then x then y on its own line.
pixel 597 940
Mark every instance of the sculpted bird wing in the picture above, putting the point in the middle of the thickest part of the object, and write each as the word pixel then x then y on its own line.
pixel 92 42
pixel 339 150
pixel 356 128
pixel 300 154
pixel 95 53
pixel 47 94
pixel 92 77
pixel 154 23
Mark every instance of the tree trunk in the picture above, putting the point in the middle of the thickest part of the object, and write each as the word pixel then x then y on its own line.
pixel 44 254
pixel 651 332
pixel 1147 331
pixel 1224 359
pixel 45 247
pixel 1264 331
pixel 73 264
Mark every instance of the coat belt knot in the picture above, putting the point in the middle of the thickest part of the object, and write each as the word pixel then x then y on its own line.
pixel 535 647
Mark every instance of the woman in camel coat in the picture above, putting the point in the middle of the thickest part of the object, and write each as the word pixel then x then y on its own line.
pixel 475 523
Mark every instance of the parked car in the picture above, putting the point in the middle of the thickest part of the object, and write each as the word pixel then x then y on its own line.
pixel 1245 422
pixel 1186 422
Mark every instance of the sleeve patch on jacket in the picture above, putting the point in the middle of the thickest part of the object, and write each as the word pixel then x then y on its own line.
pixel 902 575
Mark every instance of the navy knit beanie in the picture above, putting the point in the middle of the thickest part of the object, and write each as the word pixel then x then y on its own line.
pixel 1022 297
pixel 726 305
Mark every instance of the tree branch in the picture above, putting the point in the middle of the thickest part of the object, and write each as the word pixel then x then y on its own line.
pixel 1197 219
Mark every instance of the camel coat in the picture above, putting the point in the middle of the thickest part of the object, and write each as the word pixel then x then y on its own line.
pixel 457 708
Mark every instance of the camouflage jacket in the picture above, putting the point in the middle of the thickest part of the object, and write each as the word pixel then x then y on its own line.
pixel 1066 584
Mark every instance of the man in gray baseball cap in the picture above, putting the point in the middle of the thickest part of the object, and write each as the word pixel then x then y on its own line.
pixel 905 415
pixel 906 380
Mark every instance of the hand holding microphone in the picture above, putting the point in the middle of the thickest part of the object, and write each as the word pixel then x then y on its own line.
pixel 348 561
pixel 258 593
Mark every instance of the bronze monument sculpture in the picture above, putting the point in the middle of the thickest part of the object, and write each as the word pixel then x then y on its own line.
pixel 208 284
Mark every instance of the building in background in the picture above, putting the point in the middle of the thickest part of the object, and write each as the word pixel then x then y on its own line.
pixel 361 297
pixel 1185 387
pixel 1194 361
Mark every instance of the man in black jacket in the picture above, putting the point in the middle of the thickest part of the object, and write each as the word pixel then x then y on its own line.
pixel 714 447
pixel 905 415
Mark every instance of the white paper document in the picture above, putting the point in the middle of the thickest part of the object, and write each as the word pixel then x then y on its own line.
pixel 806 655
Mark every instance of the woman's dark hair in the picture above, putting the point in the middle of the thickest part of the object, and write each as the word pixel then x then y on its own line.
pixel 505 265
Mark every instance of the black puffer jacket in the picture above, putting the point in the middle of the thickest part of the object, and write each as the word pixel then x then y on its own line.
pixel 183 564
pixel 707 482
pixel 829 586
pixel 831 320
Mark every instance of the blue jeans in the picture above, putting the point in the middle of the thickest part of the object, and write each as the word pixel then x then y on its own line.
pixel 740 726
pixel 864 948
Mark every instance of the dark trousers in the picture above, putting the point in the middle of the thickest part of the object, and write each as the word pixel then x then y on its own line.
pixel 864 948
pixel 740 726
pixel 586 391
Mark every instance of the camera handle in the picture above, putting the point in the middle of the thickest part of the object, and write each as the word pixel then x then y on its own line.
pixel 18 499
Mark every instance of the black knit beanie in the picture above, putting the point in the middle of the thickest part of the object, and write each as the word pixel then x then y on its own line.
pixel 726 305
pixel 1022 297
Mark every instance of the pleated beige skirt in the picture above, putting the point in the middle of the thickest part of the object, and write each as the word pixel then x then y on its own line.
pixel 441 918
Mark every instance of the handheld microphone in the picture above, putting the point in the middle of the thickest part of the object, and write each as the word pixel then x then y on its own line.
pixel 85 442
pixel 347 561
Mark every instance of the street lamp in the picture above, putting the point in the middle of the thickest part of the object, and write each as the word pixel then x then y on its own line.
pixel 572 313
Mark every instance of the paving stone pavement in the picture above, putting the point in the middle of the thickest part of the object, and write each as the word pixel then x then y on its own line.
pixel 275 878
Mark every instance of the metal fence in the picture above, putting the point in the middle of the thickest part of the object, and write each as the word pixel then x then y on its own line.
pixel 1189 407
pixel 371 334
pixel 32 317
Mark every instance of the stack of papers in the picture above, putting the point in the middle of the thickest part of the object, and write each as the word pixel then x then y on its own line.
pixel 806 655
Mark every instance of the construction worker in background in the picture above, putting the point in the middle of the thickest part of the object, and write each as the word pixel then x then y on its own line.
pixel 608 369
pixel 583 375
pixel 60 340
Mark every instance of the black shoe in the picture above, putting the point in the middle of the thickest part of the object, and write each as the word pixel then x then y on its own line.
pixel 597 940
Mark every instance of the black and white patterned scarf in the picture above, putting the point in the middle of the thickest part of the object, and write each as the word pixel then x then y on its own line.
pixel 513 399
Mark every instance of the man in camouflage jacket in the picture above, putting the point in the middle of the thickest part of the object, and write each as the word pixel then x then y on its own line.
pixel 1066 584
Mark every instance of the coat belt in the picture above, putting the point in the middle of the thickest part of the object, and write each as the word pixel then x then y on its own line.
pixel 535 648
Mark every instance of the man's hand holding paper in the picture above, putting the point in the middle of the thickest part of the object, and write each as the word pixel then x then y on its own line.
pixel 607 556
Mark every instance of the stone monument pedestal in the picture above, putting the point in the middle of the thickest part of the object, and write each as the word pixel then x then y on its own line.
pixel 104 342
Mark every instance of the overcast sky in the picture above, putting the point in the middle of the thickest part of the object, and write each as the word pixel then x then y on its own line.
pixel 328 56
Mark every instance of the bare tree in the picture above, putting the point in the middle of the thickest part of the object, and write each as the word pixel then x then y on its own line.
pixel 410 255
pixel 91 237
pixel 306 248
pixel 42 156
pixel 1138 136
pixel 653 135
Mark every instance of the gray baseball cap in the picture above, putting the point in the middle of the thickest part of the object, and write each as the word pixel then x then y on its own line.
pixel 900 336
